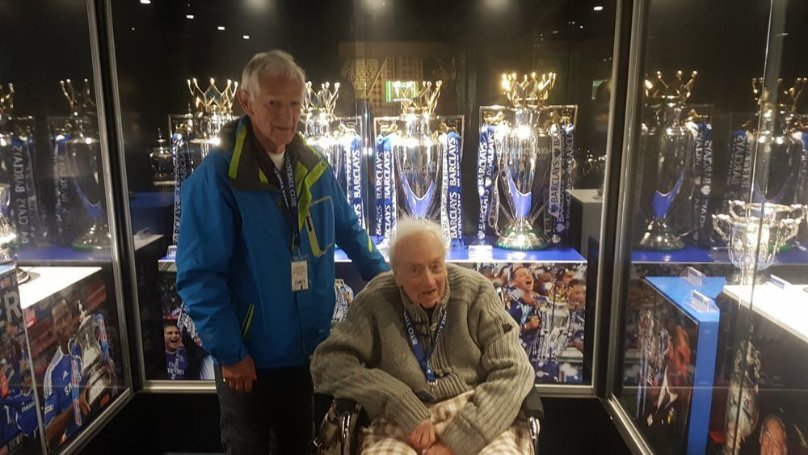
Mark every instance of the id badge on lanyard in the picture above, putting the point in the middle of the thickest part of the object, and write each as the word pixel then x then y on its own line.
pixel 300 264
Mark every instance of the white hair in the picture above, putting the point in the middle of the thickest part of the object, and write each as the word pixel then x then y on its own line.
pixel 407 227
pixel 272 63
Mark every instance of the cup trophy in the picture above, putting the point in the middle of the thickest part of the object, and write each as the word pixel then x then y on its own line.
pixel 339 139
pixel 195 133
pixel 89 347
pixel 162 163
pixel 79 166
pixel 17 154
pixel 674 141
pixel 525 149
pixel 755 232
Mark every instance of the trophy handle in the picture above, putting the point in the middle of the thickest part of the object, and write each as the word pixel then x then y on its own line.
pixel 797 212
pixel 792 228
pixel 718 221
pixel 737 209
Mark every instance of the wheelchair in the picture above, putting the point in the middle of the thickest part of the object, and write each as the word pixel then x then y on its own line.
pixel 339 431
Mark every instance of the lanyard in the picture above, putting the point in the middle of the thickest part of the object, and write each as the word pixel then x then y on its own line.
pixel 289 195
pixel 418 349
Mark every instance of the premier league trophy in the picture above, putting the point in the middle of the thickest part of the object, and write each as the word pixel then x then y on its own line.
pixel 490 119
pixel 194 134
pixel 423 150
pixel 8 236
pixel 339 139
pixel 525 150
pixel 755 232
pixel 17 153
pixel 78 172
pixel 675 141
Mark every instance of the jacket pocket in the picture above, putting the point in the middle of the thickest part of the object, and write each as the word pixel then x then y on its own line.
pixel 320 225
pixel 247 322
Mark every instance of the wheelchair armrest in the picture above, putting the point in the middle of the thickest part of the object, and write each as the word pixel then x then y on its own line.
pixel 532 405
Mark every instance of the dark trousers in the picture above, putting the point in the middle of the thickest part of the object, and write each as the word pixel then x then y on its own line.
pixel 280 403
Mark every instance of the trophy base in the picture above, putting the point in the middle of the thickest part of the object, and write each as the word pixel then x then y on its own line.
pixel 521 236
pixel 96 238
pixel 659 237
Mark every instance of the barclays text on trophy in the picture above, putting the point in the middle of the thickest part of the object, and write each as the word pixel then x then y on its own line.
pixel 339 139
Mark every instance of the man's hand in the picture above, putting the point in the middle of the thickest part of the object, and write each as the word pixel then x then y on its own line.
pixel 439 449
pixel 532 323
pixel 423 436
pixel 84 403
pixel 240 376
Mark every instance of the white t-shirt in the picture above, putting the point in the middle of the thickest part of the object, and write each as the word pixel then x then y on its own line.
pixel 277 159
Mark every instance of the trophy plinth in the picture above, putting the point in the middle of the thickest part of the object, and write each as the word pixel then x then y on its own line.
pixel 520 235
pixel 659 236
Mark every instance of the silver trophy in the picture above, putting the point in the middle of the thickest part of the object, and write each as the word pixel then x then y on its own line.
pixel 339 139
pixel 675 142
pixel 779 153
pixel 525 147
pixel 162 162
pixel 90 347
pixel 83 165
pixel 195 134
pixel 755 232
pixel 416 153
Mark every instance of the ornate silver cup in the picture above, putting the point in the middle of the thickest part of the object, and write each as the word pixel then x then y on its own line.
pixel 755 232
pixel 418 160
pixel 162 162
pixel 523 148
pixel 89 345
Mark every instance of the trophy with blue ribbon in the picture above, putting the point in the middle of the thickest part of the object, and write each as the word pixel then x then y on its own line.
pixel 674 140
pixel 524 147
pixel 17 154
pixel 78 172
pixel 339 139
pixel 194 134
pixel 418 162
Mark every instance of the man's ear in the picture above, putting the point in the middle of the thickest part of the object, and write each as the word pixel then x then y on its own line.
pixel 245 101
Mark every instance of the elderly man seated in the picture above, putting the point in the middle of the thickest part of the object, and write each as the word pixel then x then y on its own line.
pixel 431 354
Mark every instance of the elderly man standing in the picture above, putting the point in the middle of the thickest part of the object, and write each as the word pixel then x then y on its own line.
pixel 255 260
pixel 430 352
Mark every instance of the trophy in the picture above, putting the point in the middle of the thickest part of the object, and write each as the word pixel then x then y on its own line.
pixel 423 150
pixel 675 141
pixel 779 154
pixel 162 162
pixel 195 133
pixel 490 119
pixel 339 139
pixel 755 232
pixel 89 350
pixel 8 236
pixel 17 153
pixel 525 148
pixel 79 172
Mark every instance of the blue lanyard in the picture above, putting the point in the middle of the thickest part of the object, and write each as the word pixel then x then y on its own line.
pixel 289 195
pixel 418 349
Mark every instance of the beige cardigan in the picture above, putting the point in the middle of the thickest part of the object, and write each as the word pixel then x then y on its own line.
pixel 367 358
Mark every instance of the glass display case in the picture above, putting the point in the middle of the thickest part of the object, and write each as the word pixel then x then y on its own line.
pixel 64 354
pixel 708 351
pixel 499 136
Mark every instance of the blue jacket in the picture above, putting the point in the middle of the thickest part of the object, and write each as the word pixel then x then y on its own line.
pixel 235 251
